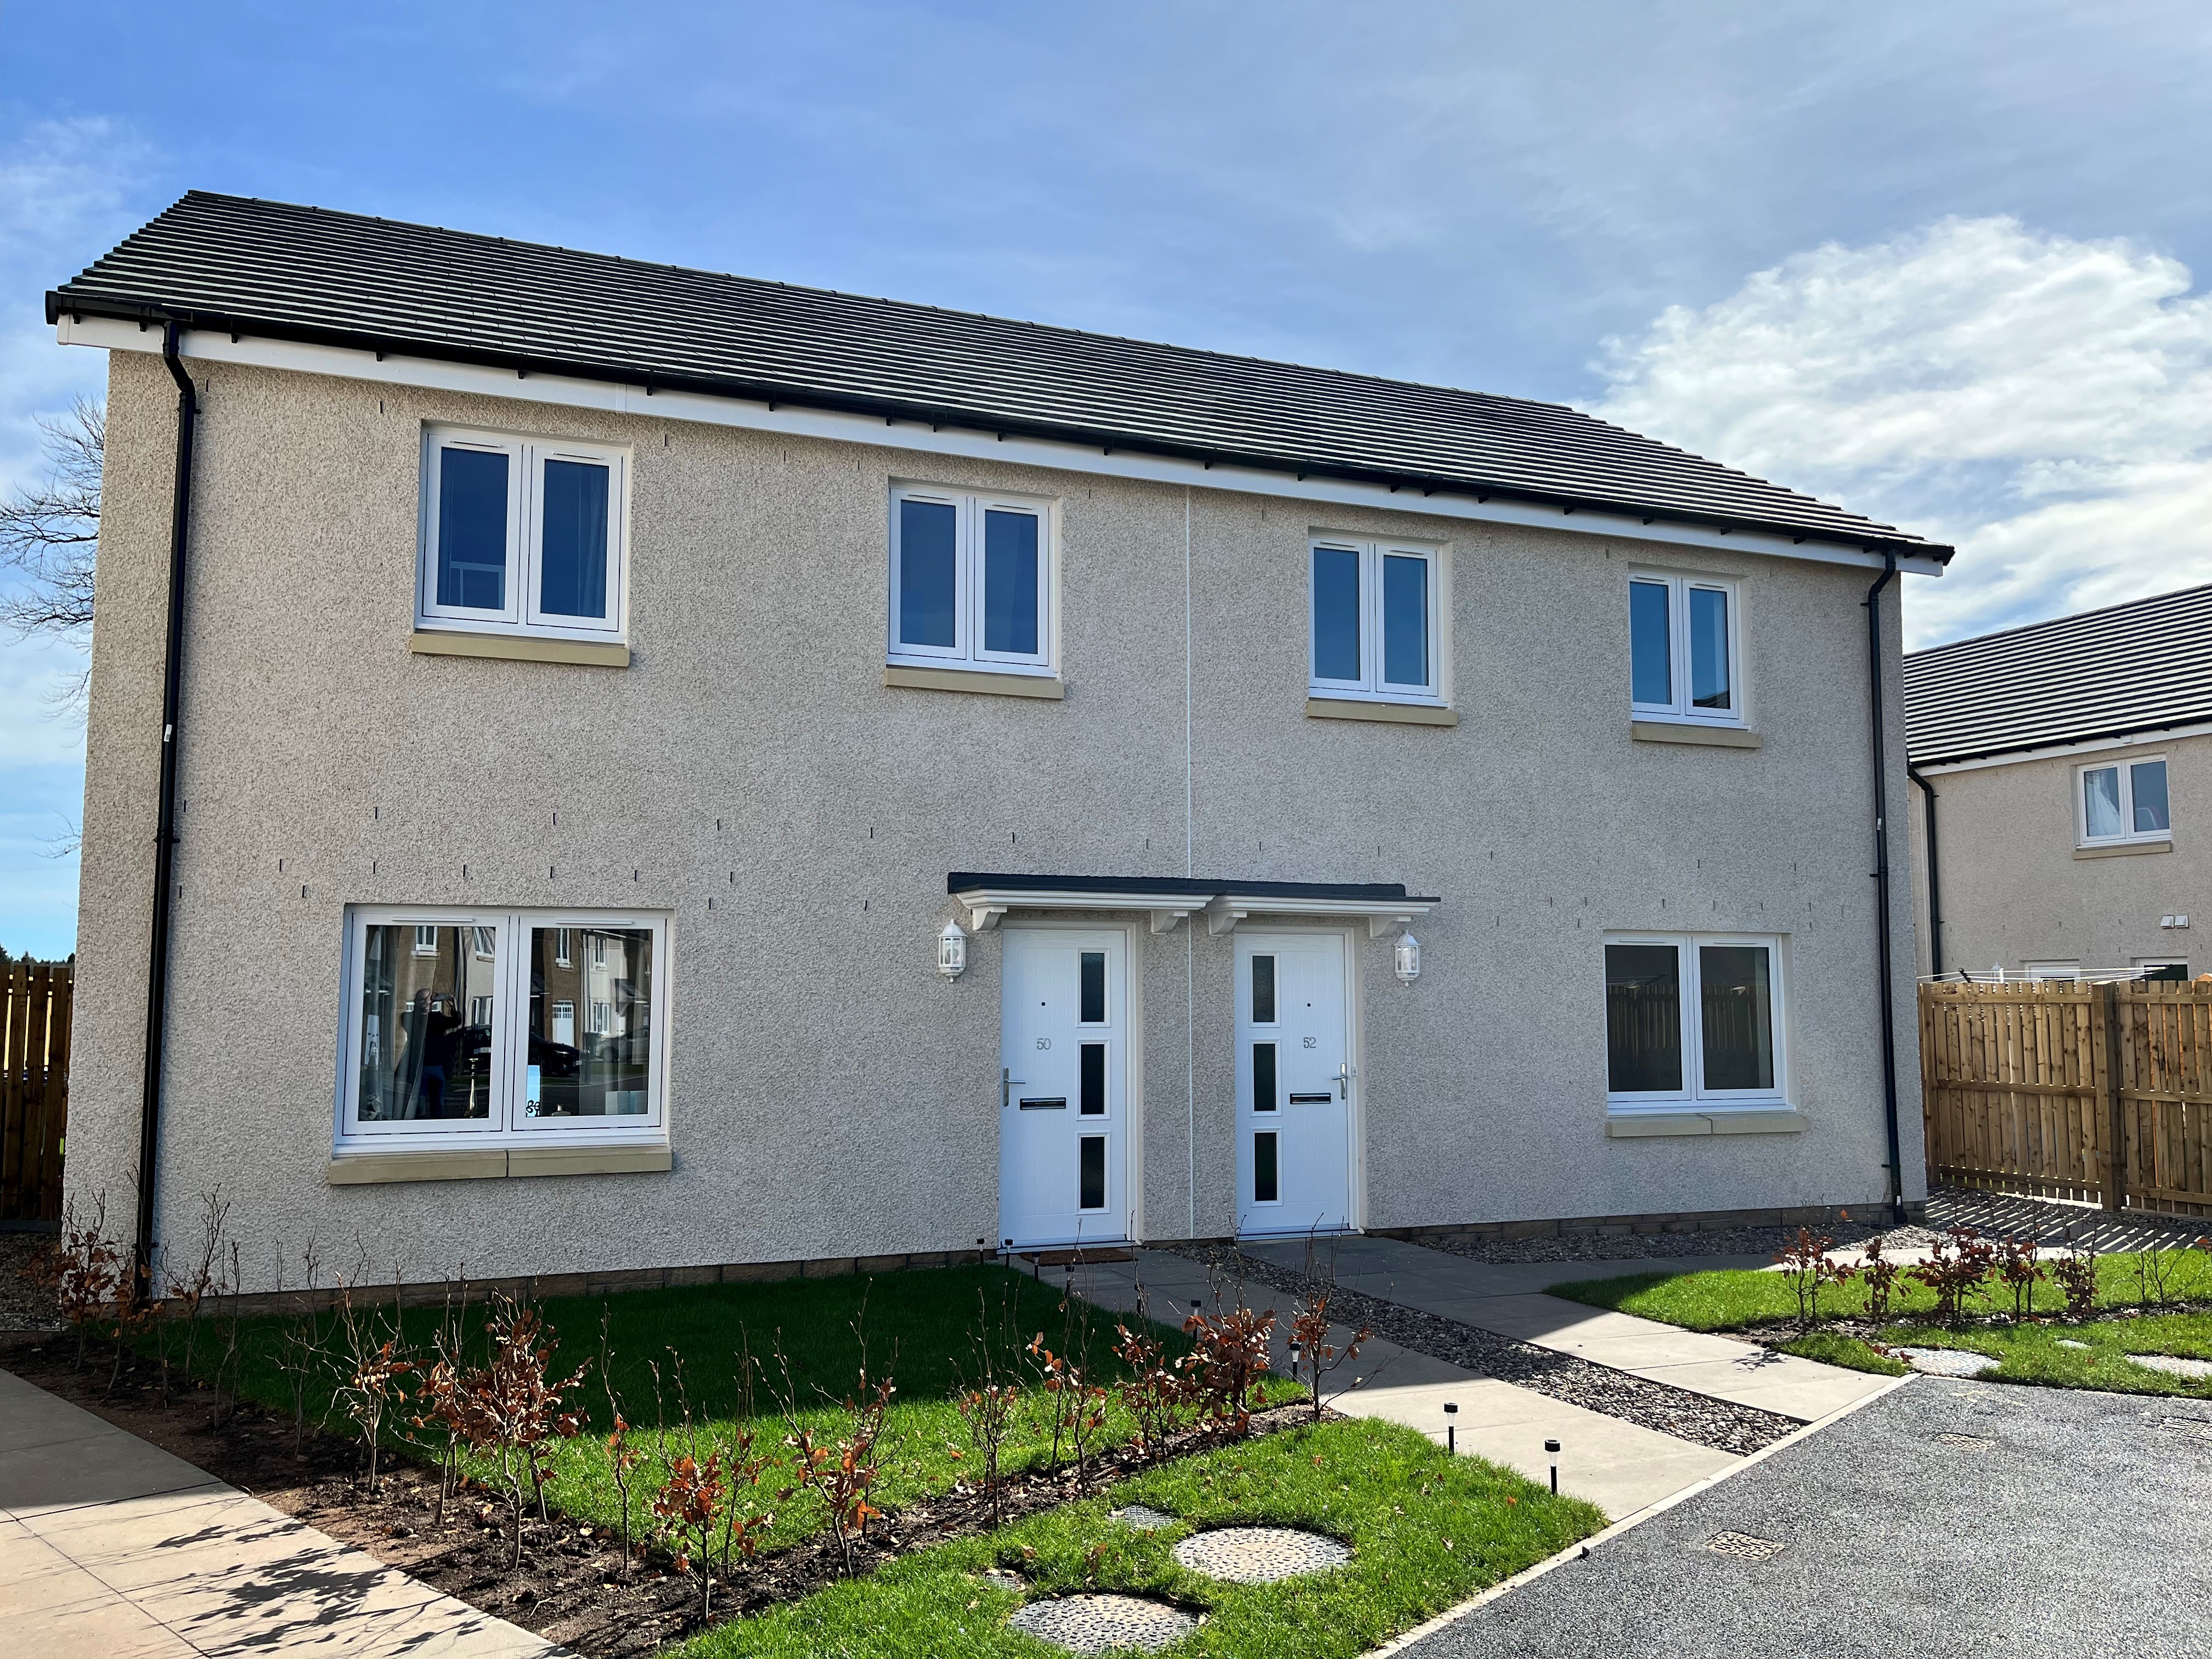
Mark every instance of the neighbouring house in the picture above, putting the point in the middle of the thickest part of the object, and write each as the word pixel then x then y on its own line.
pixel 666 769
pixel 2065 774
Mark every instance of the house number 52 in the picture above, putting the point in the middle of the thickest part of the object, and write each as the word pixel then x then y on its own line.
pixel 1310 1042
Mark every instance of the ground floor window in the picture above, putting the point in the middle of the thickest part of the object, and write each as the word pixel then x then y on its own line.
pixel 1693 1016
pixel 461 1025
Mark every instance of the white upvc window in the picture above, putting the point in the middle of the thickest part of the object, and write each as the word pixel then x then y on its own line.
pixel 1686 652
pixel 522 536
pixel 2051 970
pixel 1372 620
pixel 473 1043
pixel 972 580
pixel 1694 1018
pixel 2120 801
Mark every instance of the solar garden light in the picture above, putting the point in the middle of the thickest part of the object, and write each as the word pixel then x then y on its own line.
pixel 1451 1429
pixel 1552 1447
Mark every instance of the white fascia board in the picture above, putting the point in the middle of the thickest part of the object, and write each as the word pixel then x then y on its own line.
pixel 1261 905
pixel 2149 739
pixel 431 374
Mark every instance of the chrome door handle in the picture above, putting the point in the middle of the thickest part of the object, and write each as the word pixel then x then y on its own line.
pixel 1007 1084
pixel 1344 1081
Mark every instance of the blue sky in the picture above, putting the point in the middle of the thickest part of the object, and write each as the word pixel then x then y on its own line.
pixel 1938 262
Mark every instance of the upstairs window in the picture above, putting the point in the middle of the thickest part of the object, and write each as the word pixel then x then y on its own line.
pixel 2124 801
pixel 521 535
pixel 1683 653
pixel 1372 608
pixel 971 582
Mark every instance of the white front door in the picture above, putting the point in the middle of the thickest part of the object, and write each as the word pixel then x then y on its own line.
pixel 1063 1115
pixel 1294 1085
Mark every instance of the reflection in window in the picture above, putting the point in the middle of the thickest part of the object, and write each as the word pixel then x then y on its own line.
pixel 419 1059
pixel 1267 1174
pixel 928 574
pixel 573 571
pixel 1263 990
pixel 1405 620
pixel 2147 788
pixel 2100 801
pixel 1094 988
pixel 1336 613
pixel 1709 648
pixel 606 1073
pixel 1651 644
pixel 1010 582
pixel 1093 1080
pixel 1737 1008
pixel 1264 1095
pixel 1644 1019
pixel 472 529
pixel 1091 1173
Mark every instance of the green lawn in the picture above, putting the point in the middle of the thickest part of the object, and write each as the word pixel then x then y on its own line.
pixel 920 1327
pixel 1426 1531
pixel 1731 1301
pixel 2036 1353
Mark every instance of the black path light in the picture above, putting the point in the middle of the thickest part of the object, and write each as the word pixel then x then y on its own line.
pixel 1451 1429
pixel 1552 1447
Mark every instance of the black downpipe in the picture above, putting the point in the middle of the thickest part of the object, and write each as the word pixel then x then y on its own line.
pixel 1935 885
pixel 1873 603
pixel 165 833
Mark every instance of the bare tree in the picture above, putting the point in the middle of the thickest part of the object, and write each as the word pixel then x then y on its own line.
pixel 50 531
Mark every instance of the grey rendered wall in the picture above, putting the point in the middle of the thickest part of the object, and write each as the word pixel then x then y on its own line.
pixel 830 1095
pixel 2014 892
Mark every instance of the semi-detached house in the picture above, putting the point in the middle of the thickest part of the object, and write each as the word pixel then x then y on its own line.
pixel 596 766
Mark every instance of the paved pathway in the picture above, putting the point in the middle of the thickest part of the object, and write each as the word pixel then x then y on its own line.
pixel 1620 1466
pixel 1510 1300
pixel 110 1548
pixel 1946 1518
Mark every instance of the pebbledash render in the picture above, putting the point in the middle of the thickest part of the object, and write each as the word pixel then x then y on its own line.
pixel 680 772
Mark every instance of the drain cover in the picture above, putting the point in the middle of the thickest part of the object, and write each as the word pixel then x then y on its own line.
pixel 1259 1555
pixel 1101 1624
pixel 1742 1547
pixel 1142 1518
pixel 1964 1442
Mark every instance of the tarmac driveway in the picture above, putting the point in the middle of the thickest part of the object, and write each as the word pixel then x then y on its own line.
pixel 2080 1525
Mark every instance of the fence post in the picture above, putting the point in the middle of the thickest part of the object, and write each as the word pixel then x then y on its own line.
pixel 2115 1120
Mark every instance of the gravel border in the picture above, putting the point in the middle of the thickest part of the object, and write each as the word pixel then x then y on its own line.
pixel 1720 1423
pixel 1654 1247
pixel 25 1306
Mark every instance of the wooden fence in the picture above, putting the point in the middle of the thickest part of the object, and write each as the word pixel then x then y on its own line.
pixel 2031 1087
pixel 34 1053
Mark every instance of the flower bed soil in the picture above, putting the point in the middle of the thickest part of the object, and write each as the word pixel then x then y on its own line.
pixel 569 1586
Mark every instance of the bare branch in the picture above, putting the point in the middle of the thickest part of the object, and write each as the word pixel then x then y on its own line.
pixel 50 531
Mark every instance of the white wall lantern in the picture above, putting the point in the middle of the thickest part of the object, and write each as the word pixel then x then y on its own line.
pixel 951 950
pixel 1408 955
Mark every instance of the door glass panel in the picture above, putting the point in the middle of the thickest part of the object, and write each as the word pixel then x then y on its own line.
pixel 1094 988
pixel 573 569
pixel 1644 1019
pixel 2100 801
pixel 1093 1082
pixel 472 529
pixel 1651 644
pixel 422 1057
pixel 1335 613
pixel 1709 651
pixel 1263 990
pixel 1092 1174
pixel 604 1070
pixel 2146 781
pixel 1738 1016
pixel 1267 1176
pixel 1010 582
pixel 1405 620
pixel 1264 1095
pixel 927 571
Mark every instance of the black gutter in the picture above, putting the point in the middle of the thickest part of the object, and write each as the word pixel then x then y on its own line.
pixel 165 833
pixel 1935 884
pixel 59 304
pixel 1872 604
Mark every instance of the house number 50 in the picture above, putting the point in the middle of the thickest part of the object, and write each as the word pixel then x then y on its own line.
pixel 1044 1042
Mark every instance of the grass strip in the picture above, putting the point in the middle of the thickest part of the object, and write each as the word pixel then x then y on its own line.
pixel 1426 1531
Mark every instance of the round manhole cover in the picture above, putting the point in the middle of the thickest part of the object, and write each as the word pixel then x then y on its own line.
pixel 1259 1555
pixel 1100 1623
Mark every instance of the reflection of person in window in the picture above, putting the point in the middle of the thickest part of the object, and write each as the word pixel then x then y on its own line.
pixel 426 1055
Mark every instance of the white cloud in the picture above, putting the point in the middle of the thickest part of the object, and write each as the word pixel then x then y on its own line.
pixel 2044 402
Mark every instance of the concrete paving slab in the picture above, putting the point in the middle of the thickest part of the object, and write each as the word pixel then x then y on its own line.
pixel 110 1548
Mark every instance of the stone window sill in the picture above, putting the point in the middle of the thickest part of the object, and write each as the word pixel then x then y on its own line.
pixel 1394 714
pixel 973 679
pixel 494 1164
pixel 2124 849
pixel 1632 1126
pixel 518 648
pixel 1714 736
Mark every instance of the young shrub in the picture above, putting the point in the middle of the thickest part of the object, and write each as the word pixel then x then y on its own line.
pixel 1155 1393
pixel 302 1356
pixel 623 1457
pixel 2021 1270
pixel 1880 1274
pixel 839 1467
pixel 372 1371
pixel 989 1404
pixel 199 1277
pixel 227 1291
pixel 515 1409
pixel 1959 1267
pixel 2075 1275
pixel 1231 1354
pixel 1313 1356
pixel 1804 1263
pixel 84 1270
